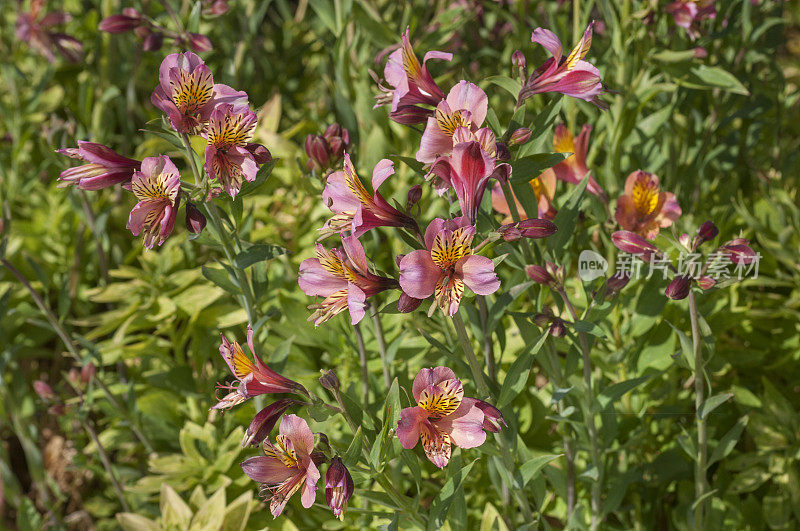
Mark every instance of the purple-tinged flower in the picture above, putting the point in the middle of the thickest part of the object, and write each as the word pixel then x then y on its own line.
pixel 129 20
pixel 35 30
pixel 195 220
pixel 199 42
pixel 493 420
pixel 265 420
pixel 411 84
pixel 187 93
pixel 688 14
pixel 407 304
pixel 447 265
pixel 338 487
pixel 442 417
pixel 739 251
pixel 467 171
pixel 253 378
pixel 105 167
pixel 152 41
pixel 343 277
pixel 518 60
pixel 706 282
pixel 644 208
pixel 466 106
pixel 631 243
pixel 215 7
pixel 679 287
pixel 707 232
pixel 287 466
pixel 571 75
pixel 551 275
pixel 157 187
pixel 228 159
pixel 354 208
pixel 520 136
pixel 528 228
pixel 616 282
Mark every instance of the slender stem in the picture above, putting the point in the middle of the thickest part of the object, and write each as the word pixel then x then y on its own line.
pixel 67 340
pixel 362 355
pixel 376 321
pixel 98 242
pixel 469 352
pixel 511 201
pixel 700 482
pixel 106 464
pixel 590 423
pixel 569 450
pixel 187 144
pixel 488 347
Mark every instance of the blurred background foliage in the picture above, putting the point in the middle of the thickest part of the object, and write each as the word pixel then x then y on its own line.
pixel 149 321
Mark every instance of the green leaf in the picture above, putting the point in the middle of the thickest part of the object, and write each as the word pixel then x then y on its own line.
pixel 414 164
pixel 529 468
pixel 728 442
pixel 541 126
pixel 673 56
pixel 567 218
pixel 257 253
pixel 353 453
pixel 511 85
pixel 442 502
pixel 220 278
pixel 526 168
pixel 614 392
pixel 135 522
pixel 713 403
pixel 517 375
pixel 589 328
pixel 705 77
pixel 686 345
pixel 211 514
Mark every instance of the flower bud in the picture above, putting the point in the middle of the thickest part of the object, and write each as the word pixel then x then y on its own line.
pixel 195 220
pixel 558 328
pixel 632 243
pixel 615 283
pixel 317 151
pixel 74 376
pixel 218 7
pixel 142 31
pixel 153 42
pixel 706 282
pixel 739 251
pixel 540 275
pixel 520 136
pixel 684 239
pixel 200 43
pixel 528 228
pixel 332 131
pixel 131 12
pixel 264 421
pixel 338 487
pixel 492 417
pixel 413 197
pixel 44 391
pixel 518 60
pixel 87 373
pixel 700 52
pixel 407 303
pixel 118 24
pixel 329 381
pixel 679 288
pixel 707 232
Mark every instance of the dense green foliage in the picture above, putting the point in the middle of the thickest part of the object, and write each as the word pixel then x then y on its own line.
pixel 722 132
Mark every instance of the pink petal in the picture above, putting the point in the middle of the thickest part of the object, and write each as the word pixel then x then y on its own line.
pixel 465 425
pixel 446 56
pixel 316 280
pixel 548 39
pixel 338 196
pixel 408 427
pixel 434 228
pixel 383 170
pixel 267 470
pixel 427 377
pixel 418 274
pixel 469 97
pixel 309 489
pixel 478 274
pixel 356 303
pixel 434 142
pixel 297 430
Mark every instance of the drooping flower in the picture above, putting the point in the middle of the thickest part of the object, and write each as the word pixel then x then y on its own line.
pixel 632 243
pixel 187 93
pixel 644 208
pixel 354 208
pixel 467 171
pixel 544 189
pixel 104 167
pixel 412 84
pixel 343 277
pixel 447 265
pixel 229 155
pixel 287 466
pixel 36 31
pixel 338 487
pixel 573 169
pixel 442 417
pixel 252 378
pixel 466 106
pixel 571 75
pixel 157 187
pixel 689 13
pixel 265 420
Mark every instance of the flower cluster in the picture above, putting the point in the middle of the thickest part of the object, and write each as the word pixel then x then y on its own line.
pixel 193 105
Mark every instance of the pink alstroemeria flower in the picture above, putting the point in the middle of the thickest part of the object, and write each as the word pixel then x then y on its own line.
pixel 339 487
pixel 412 84
pixel 157 187
pixel 229 154
pixel 688 14
pixel 447 265
pixel 187 93
pixel 466 106
pixel 252 379
pixel 544 188
pixel 571 76
pixel 644 208
pixel 287 466
pixel 343 277
pixel 105 167
pixel 467 171
pixel 573 169
pixel 442 417
pixel 36 31
pixel 354 208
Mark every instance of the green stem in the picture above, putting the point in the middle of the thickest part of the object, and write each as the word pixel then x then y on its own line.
pixel 700 482
pixel 379 336
pixel 106 465
pixel 511 201
pixel 569 450
pixel 469 352
pixel 488 348
pixel 590 422
pixel 362 356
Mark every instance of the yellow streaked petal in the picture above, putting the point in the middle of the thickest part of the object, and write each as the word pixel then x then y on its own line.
pixel 449 247
pixel 442 399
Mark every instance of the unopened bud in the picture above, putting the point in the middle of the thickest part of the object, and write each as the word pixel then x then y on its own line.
pixel 631 243
pixel 410 115
pixel 518 60
pixel 200 43
pixel 317 151
pixel 707 232
pixel 119 23
pixel 616 282
pixel 413 197
pixel 407 303
pixel 706 282
pixel 329 381
pixel 520 136
pixel 679 288
pixel 493 420
pixel 195 220
pixel 540 275
pixel 44 391
pixel 87 373
pixel 153 42
pixel 528 228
